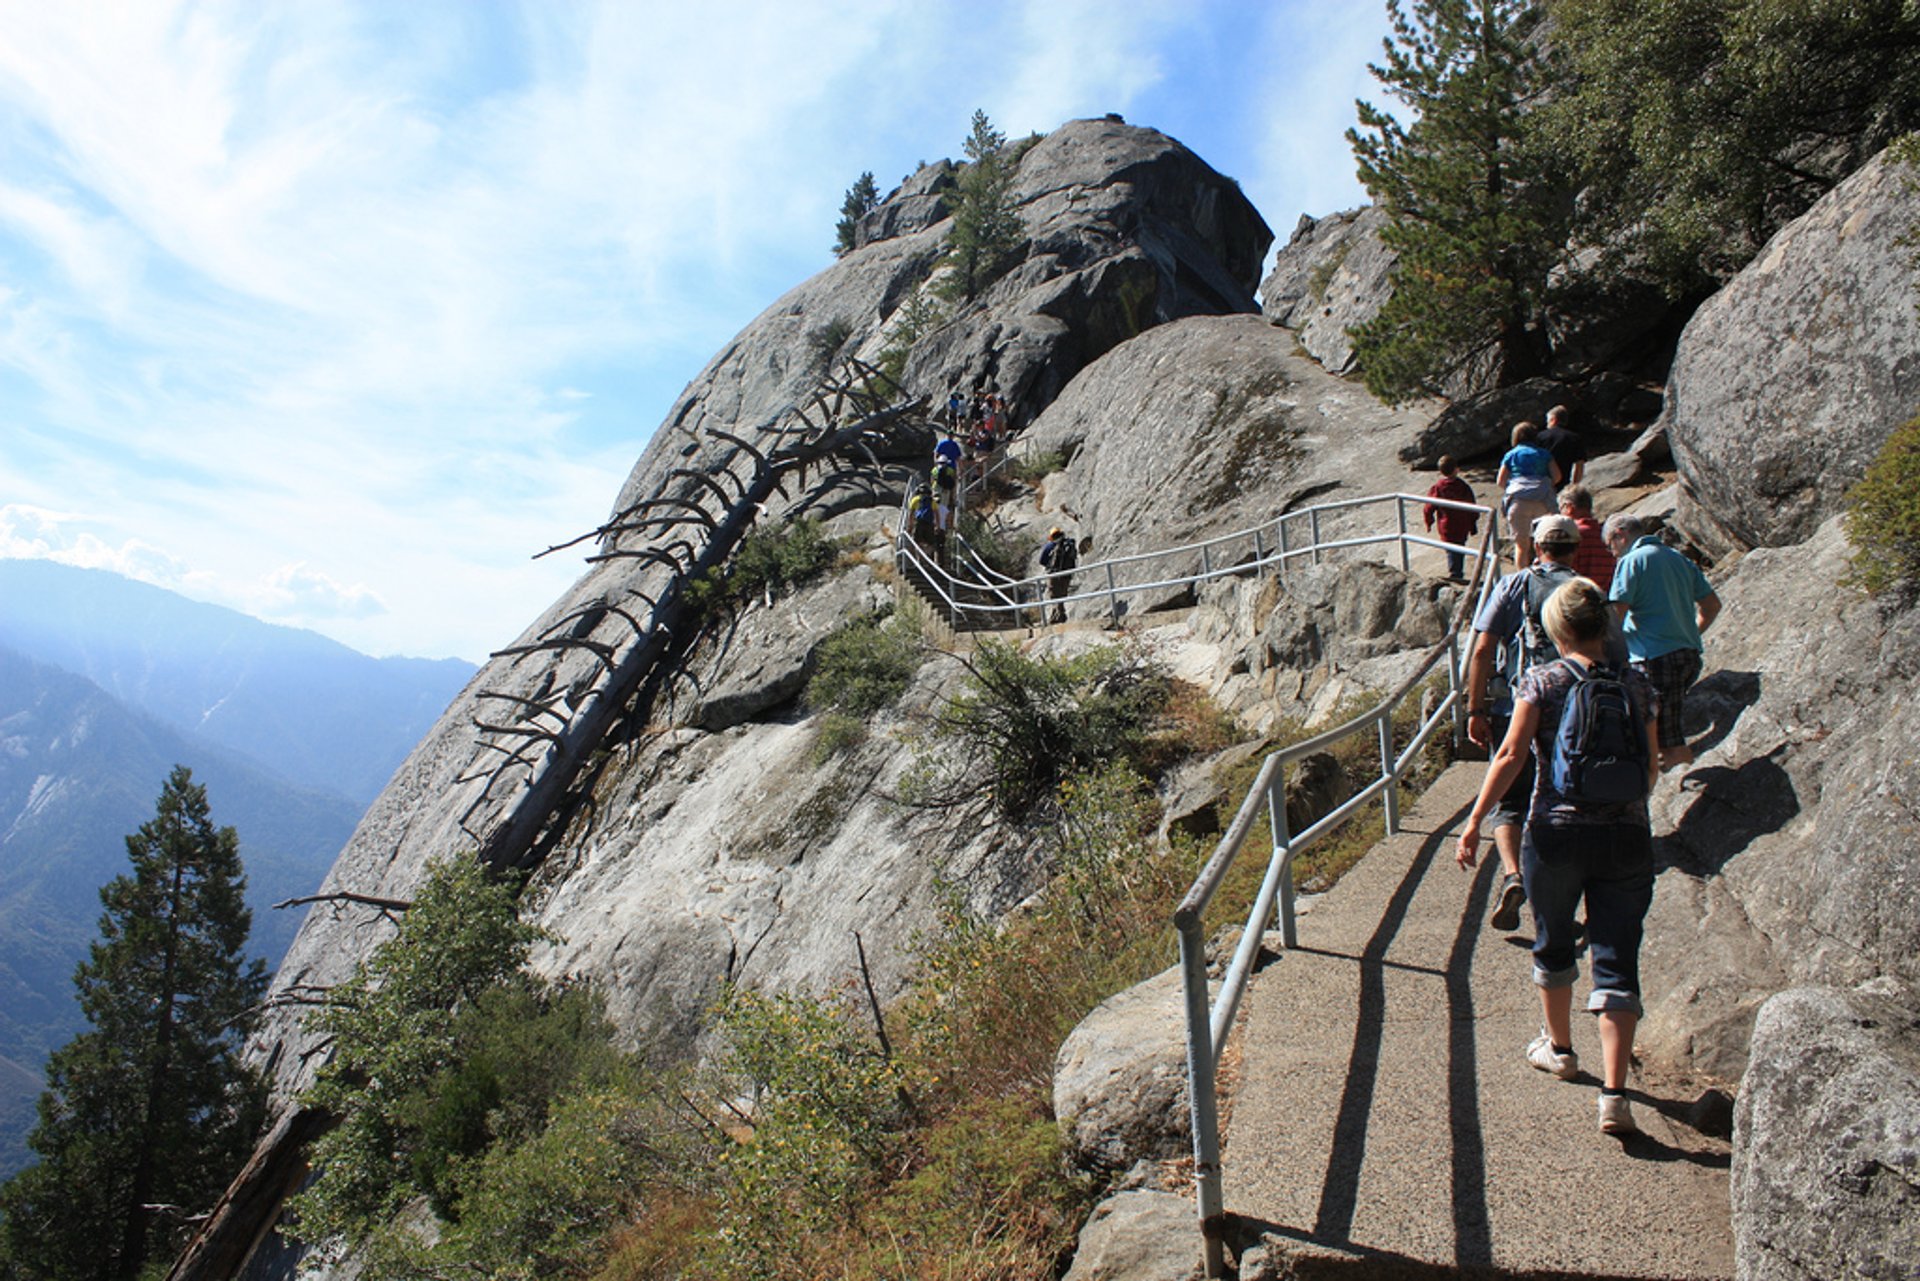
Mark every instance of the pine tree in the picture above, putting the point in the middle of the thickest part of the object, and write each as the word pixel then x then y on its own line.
pixel 147 1115
pixel 986 225
pixel 862 199
pixel 1475 213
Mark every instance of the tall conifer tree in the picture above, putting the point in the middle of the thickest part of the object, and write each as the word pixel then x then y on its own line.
pixel 1474 213
pixel 147 1115
pixel 862 198
pixel 986 225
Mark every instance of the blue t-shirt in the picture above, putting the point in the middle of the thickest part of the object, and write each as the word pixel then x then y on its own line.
pixel 1529 473
pixel 1659 587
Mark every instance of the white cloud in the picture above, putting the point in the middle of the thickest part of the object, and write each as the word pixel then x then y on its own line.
pixel 396 293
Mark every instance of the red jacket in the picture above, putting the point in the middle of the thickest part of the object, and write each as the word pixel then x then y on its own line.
pixel 1455 526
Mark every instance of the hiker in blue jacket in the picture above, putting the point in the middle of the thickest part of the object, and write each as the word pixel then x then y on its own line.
pixel 1576 845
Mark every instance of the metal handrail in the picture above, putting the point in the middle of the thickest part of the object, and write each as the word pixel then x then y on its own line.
pixel 1209 1020
pixel 1260 551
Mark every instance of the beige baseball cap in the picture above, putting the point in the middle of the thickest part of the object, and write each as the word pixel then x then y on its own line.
pixel 1557 530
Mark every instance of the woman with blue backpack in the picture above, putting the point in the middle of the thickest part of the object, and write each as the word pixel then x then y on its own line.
pixel 1594 731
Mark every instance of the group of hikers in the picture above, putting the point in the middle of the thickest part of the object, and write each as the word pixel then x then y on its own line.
pixel 1576 683
pixel 971 432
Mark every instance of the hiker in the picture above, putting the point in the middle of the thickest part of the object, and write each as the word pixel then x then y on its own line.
pixel 1455 526
pixel 947 449
pixel 1594 731
pixel 1593 559
pixel 1664 603
pixel 1527 478
pixel 983 443
pixel 1560 440
pixel 944 476
pixel 1509 638
pixel 955 406
pixel 921 518
pixel 1058 556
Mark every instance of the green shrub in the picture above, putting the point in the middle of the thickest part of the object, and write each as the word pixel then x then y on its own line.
pixel 1024 724
pixel 769 562
pixel 1883 518
pixel 1008 555
pixel 862 668
pixel 1034 468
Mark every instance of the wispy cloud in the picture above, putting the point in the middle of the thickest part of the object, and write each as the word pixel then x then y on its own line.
pixel 380 298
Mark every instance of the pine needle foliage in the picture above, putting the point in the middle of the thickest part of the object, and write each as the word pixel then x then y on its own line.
pixel 862 199
pixel 1474 209
pixel 987 230
pixel 152 1107
pixel 1702 126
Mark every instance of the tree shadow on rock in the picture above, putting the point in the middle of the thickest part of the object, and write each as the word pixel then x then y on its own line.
pixel 1731 809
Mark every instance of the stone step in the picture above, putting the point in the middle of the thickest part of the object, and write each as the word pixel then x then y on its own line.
pixel 1385 1123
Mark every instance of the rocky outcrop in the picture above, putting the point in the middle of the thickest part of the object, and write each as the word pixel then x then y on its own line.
pixel 1788 380
pixel 1792 837
pixel 1826 1179
pixel 1333 274
pixel 1120 1082
pixel 1209 425
pixel 1126 229
pixel 1139 1235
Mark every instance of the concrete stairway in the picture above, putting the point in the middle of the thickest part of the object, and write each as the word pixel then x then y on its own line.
pixel 1385 1123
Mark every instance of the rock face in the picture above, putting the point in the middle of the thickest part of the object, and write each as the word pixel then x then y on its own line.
pixel 1793 836
pixel 1120 1083
pixel 1333 274
pixel 1788 380
pixel 1141 1235
pixel 1826 1180
pixel 1206 426
pixel 689 866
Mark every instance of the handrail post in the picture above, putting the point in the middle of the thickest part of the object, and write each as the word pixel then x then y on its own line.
pixel 1113 596
pixel 1281 570
pixel 1282 839
pixel 1203 1105
pixel 1453 691
pixel 1313 528
pixel 1400 506
pixel 1391 796
pixel 1259 551
pixel 1206 560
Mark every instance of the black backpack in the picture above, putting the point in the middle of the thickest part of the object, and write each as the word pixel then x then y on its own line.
pixel 1600 750
pixel 1531 646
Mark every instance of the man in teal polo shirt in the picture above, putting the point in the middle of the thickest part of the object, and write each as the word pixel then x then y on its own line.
pixel 1664 603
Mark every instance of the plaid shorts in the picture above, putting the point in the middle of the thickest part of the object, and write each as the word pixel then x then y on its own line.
pixel 1670 675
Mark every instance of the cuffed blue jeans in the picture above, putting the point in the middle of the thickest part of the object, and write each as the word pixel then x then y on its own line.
pixel 1612 868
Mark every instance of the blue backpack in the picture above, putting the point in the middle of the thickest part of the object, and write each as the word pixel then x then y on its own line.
pixel 1600 750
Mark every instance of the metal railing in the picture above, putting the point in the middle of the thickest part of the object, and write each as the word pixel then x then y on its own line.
pixel 1292 536
pixel 1210 1020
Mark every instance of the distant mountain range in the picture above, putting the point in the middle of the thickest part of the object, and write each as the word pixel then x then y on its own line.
pixel 105 684
pixel 303 706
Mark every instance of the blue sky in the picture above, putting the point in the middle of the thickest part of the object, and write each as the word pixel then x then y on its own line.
pixel 335 312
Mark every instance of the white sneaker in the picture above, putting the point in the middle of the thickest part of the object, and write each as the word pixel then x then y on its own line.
pixel 1541 1054
pixel 1616 1116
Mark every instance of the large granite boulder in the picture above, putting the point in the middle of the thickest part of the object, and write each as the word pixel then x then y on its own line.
pixel 1126 229
pixel 1826 1177
pixel 1139 1235
pixel 1793 849
pixel 1209 425
pixel 1788 380
pixel 1120 1080
pixel 1334 273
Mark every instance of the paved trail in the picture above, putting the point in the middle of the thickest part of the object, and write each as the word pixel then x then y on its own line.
pixel 1385 1123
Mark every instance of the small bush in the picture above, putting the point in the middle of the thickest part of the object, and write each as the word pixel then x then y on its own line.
pixel 1883 518
pixel 1008 556
pixel 1023 725
pixel 769 562
pixel 825 341
pixel 1035 468
pixel 866 665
